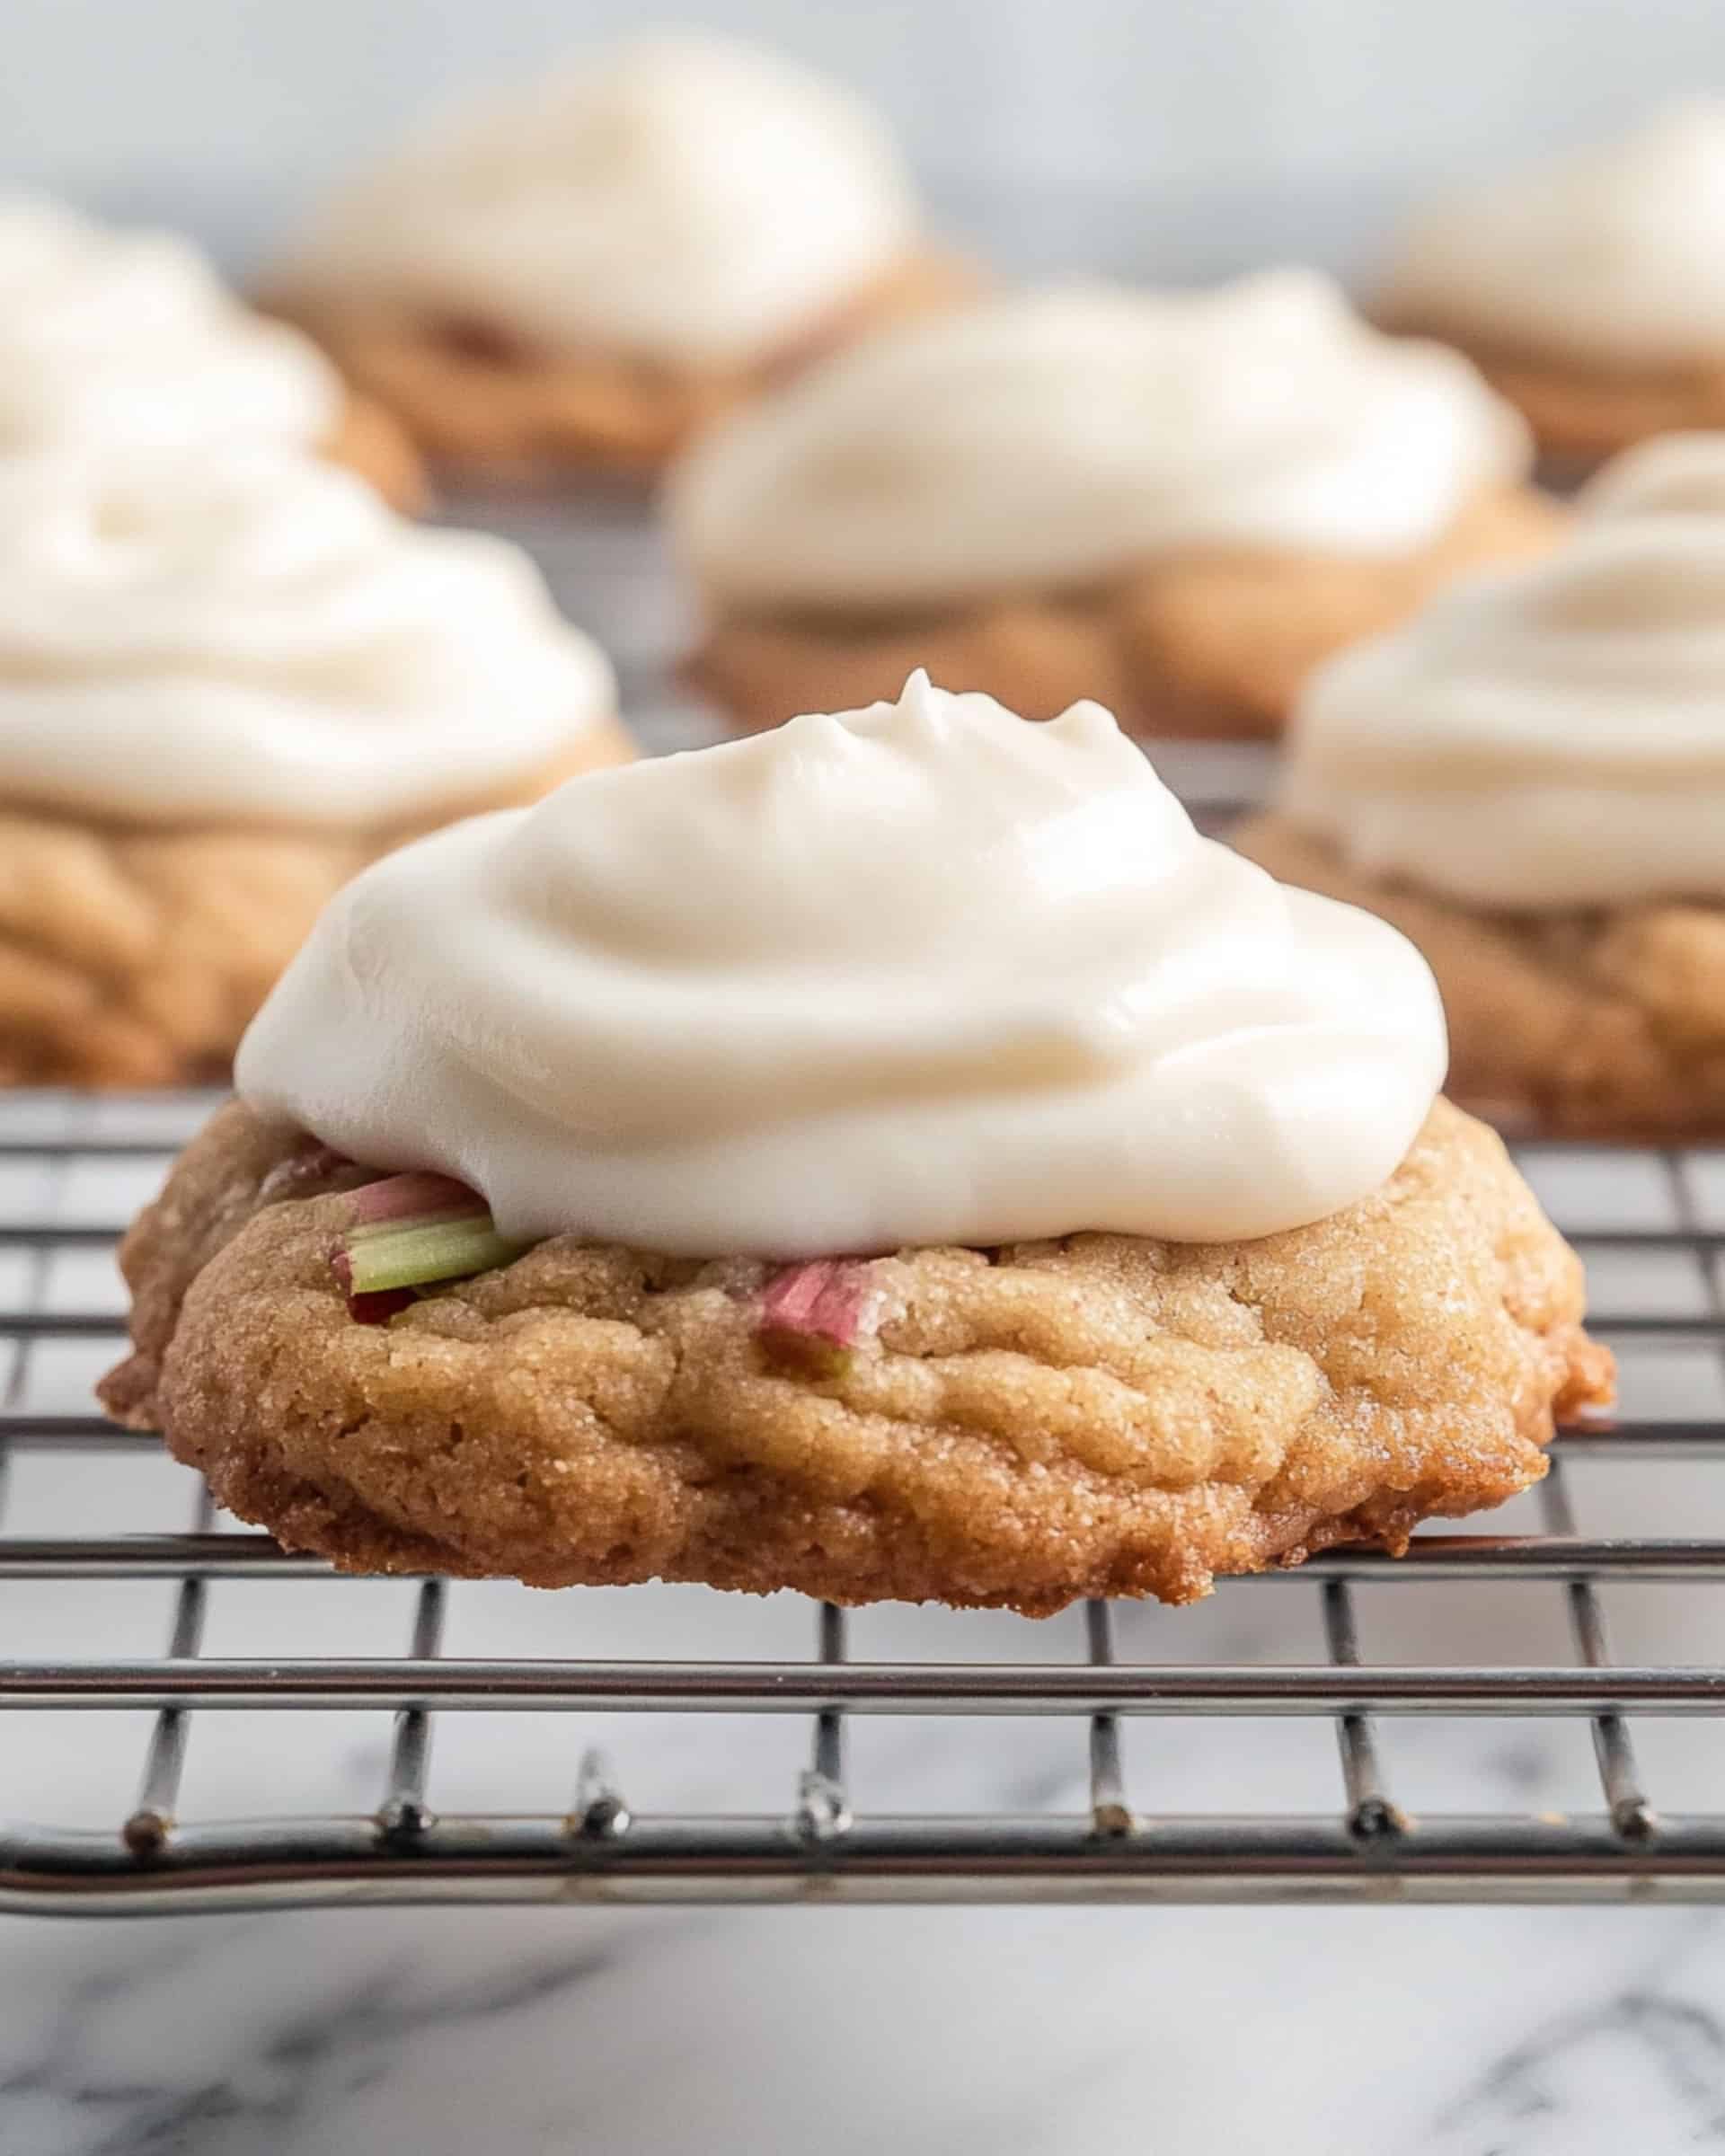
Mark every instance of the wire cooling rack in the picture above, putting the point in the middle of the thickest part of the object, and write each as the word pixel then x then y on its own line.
pixel 70 1168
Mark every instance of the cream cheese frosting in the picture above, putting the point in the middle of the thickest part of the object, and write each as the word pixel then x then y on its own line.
pixel 1611 257
pixel 921 973
pixel 251 634
pixel 1056 435
pixel 125 340
pixel 683 200
pixel 1553 737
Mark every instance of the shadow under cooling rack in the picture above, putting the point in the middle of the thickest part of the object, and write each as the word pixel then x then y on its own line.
pixel 1652 1224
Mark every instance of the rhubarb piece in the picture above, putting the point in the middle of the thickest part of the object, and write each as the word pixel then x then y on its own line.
pixel 403 1197
pixel 812 1315
pixel 417 1253
pixel 410 1231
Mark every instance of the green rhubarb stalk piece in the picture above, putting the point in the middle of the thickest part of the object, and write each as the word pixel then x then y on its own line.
pixel 410 1231
pixel 412 1255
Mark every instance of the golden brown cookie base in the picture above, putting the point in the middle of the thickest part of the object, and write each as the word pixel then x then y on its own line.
pixel 1100 1415
pixel 1580 415
pixel 370 441
pixel 135 956
pixel 1213 644
pixel 1604 1025
pixel 496 410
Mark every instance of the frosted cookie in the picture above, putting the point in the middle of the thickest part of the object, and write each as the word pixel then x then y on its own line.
pixel 1175 502
pixel 1529 781
pixel 960 1181
pixel 1589 288
pixel 120 339
pixel 578 272
pixel 228 679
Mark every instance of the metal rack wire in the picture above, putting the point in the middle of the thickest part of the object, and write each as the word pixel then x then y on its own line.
pixel 822 1844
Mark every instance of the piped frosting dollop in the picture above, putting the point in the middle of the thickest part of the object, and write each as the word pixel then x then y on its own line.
pixel 252 634
pixel 921 973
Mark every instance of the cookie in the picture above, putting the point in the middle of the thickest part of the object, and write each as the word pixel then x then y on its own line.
pixel 135 955
pixel 1017 1426
pixel 1579 1022
pixel 1201 644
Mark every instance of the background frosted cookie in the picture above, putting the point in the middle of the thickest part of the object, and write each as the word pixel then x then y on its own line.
pixel 128 340
pixel 1590 288
pixel 1158 1258
pixel 1529 781
pixel 228 680
pixel 579 272
pixel 1177 503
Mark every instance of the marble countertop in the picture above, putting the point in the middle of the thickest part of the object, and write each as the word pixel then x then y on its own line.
pixel 933 2032
pixel 1037 2030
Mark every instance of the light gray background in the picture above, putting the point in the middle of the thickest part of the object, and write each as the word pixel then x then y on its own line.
pixel 1188 134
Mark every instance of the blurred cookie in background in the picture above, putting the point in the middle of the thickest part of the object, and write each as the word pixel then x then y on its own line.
pixel 229 678
pixel 1528 779
pixel 573 274
pixel 1174 502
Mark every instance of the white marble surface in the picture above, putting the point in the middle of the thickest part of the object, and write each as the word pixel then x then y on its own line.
pixel 1038 2031
pixel 934 2033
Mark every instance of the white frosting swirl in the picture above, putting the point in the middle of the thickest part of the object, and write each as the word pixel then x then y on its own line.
pixel 922 973
pixel 1553 737
pixel 684 199
pixel 251 634
pixel 128 339
pixel 1055 436
pixel 1611 257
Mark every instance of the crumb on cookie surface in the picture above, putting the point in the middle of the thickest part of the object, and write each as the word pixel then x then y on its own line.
pixel 1099 1415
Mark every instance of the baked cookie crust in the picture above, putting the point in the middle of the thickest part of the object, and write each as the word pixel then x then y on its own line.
pixel 1600 1024
pixel 477 401
pixel 1100 1415
pixel 134 955
pixel 1212 643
